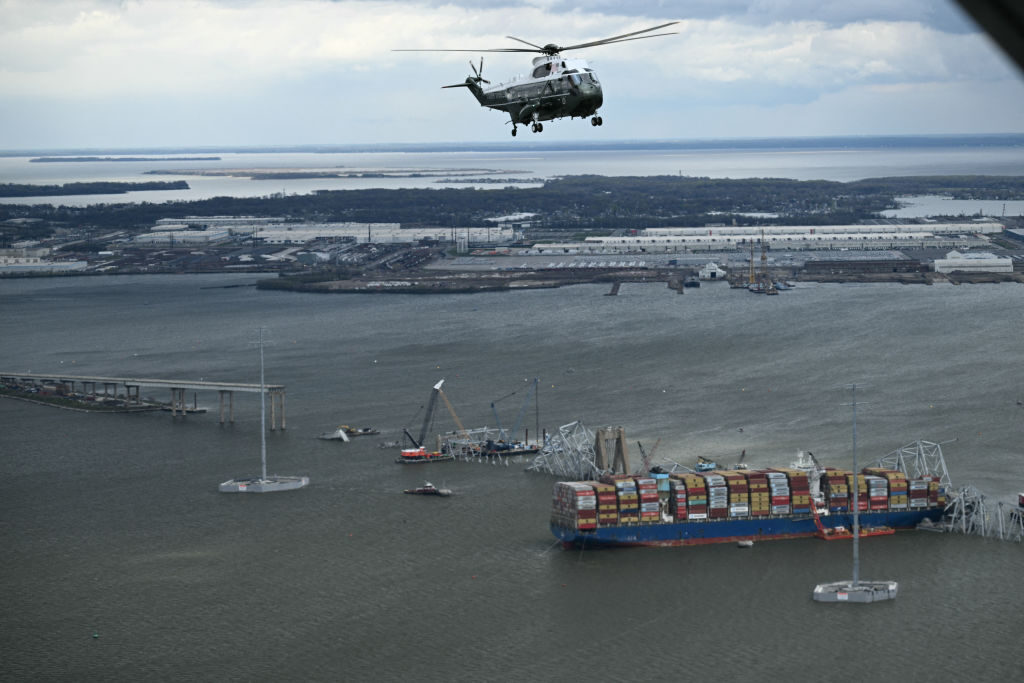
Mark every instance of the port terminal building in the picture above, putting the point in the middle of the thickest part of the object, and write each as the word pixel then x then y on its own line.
pixel 974 262
pixel 26 260
pixel 790 237
pixel 199 230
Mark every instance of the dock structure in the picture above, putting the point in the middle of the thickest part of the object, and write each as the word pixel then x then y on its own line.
pixel 111 385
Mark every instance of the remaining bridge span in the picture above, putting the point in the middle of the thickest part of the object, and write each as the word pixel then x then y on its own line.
pixel 178 387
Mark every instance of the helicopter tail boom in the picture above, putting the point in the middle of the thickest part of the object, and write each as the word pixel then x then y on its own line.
pixel 473 87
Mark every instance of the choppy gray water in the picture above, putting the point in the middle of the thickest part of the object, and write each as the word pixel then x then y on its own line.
pixel 112 524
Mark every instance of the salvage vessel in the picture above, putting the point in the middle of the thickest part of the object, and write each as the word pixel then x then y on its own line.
pixel 420 455
pixel 728 506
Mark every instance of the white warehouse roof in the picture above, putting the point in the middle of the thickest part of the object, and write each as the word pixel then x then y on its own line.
pixel 975 262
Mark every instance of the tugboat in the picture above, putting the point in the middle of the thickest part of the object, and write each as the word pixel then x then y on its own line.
pixel 429 489
pixel 412 456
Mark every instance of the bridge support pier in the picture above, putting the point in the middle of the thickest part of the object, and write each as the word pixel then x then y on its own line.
pixel 277 397
pixel 231 405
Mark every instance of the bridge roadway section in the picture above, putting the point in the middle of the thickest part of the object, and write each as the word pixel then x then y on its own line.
pixel 178 387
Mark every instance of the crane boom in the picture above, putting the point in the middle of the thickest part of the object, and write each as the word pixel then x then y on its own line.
pixel 431 407
pixel 497 420
pixel 522 409
pixel 451 411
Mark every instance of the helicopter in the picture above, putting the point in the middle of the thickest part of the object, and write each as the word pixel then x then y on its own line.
pixel 556 87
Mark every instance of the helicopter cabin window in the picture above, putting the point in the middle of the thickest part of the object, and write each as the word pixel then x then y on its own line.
pixel 542 70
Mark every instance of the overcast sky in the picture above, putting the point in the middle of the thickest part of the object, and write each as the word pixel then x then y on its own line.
pixel 133 73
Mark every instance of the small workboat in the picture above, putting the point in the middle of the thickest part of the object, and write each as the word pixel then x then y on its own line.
pixel 429 489
pixel 359 431
pixel 344 433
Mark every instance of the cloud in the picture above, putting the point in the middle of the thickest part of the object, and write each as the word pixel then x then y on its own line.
pixel 268 71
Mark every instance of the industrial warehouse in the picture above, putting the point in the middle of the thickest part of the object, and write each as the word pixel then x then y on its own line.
pixel 790 237
pixel 202 230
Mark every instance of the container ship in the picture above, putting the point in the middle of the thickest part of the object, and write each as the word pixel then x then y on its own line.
pixel 721 506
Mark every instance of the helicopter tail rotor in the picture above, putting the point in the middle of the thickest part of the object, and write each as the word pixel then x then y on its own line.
pixel 478 74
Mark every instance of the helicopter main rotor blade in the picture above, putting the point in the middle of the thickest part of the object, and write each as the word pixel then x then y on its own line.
pixel 619 39
pixel 525 42
pixel 555 49
pixel 500 49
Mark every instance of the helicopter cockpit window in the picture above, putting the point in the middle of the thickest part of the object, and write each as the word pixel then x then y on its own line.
pixel 542 70
pixel 575 78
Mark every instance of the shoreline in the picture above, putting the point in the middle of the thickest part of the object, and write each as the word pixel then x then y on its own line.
pixel 453 282
pixel 435 281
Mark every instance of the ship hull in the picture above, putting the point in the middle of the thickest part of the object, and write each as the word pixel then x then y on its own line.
pixel 733 530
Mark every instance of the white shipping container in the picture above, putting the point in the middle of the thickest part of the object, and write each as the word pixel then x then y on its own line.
pixel 697 515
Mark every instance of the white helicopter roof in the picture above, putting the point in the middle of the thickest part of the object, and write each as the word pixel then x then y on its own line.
pixel 559 66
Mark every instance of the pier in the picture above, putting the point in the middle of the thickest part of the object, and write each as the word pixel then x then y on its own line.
pixel 108 387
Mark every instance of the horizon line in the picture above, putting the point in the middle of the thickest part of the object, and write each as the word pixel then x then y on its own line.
pixel 554 145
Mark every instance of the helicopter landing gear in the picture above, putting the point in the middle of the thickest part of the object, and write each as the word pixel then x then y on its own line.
pixel 596 121
pixel 513 131
pixel 537 127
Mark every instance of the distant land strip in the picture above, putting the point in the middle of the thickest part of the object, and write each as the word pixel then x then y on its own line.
pixel 22 190
pixel 45 160
pixel 305 173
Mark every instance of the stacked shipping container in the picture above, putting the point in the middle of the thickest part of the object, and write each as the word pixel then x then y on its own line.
pixel 732 494
pixel 677 499
pixel 861 492
pixel 718 495
pixel 647 490
pixel 778 489
pixel 574 505
pixel 739 493
pixel 837 491
pixel 626 496
pixel 607 503
pixel 760 497
pixel 897 484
